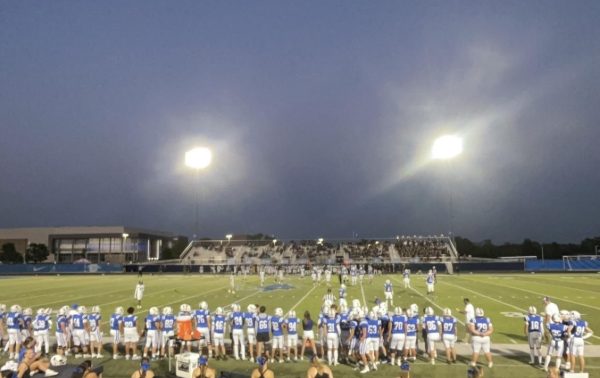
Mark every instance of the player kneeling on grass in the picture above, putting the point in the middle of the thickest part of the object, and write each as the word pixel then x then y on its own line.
pixel 95 332
pixel 431 323
pixel 218 329
pixel 153 327
pixel 116 329
pixel 481 328
pixel 533 331
pixel 131 335
pixel 449 335
pixel 580 331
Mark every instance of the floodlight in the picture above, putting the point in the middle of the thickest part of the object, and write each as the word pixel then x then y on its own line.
pixel 446 147
pixel 198 158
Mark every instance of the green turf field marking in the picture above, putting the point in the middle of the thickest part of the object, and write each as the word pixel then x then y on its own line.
pixel 303 298
pixel 486 296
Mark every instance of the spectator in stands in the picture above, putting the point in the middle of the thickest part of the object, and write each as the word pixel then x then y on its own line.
pixel 203 371
pixel 318 369
pixel 144 370
pixel 262 371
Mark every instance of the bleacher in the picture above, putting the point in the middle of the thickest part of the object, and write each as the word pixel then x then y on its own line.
pixel 405 249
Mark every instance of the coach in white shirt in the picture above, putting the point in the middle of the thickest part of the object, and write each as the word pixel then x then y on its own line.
pixel 469 312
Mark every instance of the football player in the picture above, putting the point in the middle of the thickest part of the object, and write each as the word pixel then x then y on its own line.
pixel 168 331
pixel 431 323
pixel 557 332
pixel 580 331
pixel 41 326
pixel 131 334
pixel 218 330
pixel 430 281
pixel 138 294
pixel 116 329
pixel 291 325
pixel 61 332
pixel 397 335
pixel 406 278
pixel 449 335
pixel 250 322
pixel 81 329
pixel 202 322
pixel 95 332
pixel 533 331
pixel 153 326
pixel 236 319
pixel 277 332
pixel 481 328
pixel 388 292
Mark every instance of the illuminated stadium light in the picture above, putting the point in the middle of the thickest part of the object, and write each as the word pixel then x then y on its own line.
pixel 198 158
pixel 446 147
pixel 320 241
pixel 229 236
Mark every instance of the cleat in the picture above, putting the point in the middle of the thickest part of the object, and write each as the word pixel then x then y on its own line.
pixel 136 357
pixel 50 373
pixel 490 365
pixel 365 370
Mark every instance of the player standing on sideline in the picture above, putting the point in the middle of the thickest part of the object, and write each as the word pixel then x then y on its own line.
pixel 481 328
pixel 469 313
pixel 218 329
pixel 262 331
pixel 116 328
pixel 533 331
pixel 557 332
pixel 60 333
pixel 431 323
pixel 449 335
pixel 202 323
pixel 236 319
pixel 388 292
pixel 332 325
pixel 138 294
pixel 406 278
pixel 412 326
pixel 131 334
pixel 580 331
pixel 397 335
pixel 168 331
pixel 81 329
pixel 430 281
pixel 95 332
pixel 26 330
pixel 41 326
pixel 153 326
pixel 250 321
pixel 277 332
pixel 292 335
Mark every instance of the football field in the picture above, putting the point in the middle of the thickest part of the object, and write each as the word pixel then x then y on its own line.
pixel 504 297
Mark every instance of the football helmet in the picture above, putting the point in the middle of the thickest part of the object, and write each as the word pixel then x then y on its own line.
pixel 58 360
pixel 82 309
pixel 291 314
pixel 204 305
pixel 28 311
pixel 447 312
pixel 2 307
pixel 575 315
pixel 219 311
pixel 428 311
pixel 398 310
pixel 414 308
pixel 278 311
pixel 119 310
pixel 532 310
pixel 153 311
pixel 251 308
pixel 479 311
pixel 235 307
pixel 167 311
pixel 556 318
pixel 95 309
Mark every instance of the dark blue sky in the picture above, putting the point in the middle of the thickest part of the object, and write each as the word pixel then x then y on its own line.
pixel 320 116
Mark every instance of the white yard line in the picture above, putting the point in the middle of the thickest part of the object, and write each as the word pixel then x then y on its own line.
pixel 362 289
pixel 304 297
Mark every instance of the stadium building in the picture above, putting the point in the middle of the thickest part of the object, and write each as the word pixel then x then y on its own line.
pixel 111 244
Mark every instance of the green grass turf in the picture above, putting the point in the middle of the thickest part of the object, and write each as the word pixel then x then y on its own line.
pixel 502 297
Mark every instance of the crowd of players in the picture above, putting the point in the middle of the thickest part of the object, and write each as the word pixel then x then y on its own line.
pixel 350 333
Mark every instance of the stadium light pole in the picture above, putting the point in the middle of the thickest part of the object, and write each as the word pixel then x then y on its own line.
pixel 228 236
pixel 198 158
pixel 446 148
